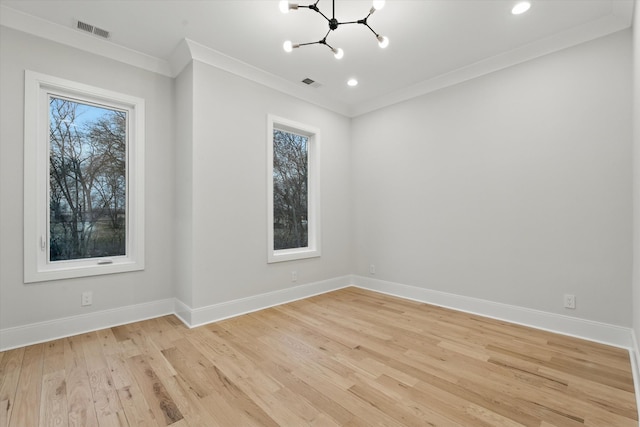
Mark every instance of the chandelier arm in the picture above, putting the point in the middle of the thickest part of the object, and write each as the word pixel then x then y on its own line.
pixel 324 42
pixel 318 42
pixel 315 8
pixel 367 25
pixel 360 21
pixel 310 43
pixel 321 41
pixel 323 15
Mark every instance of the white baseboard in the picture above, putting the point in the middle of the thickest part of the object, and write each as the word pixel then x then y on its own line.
pixel 59 328
pixel 35 333
pixel 614 335
pixel 634 355
pixel 183 312
pixel 67 326
pixel 193 317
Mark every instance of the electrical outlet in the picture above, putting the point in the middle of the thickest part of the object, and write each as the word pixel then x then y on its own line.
pixel 372 269
pixel 87 298
pixel 294 276
pixel 569 301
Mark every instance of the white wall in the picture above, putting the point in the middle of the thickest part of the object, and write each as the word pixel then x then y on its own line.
pixel 183 204
pixel 22 304
pixel 513 187
pixel 229 194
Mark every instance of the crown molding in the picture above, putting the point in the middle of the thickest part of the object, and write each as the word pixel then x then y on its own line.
pixel 619 19
pixel 180 57
pixel 186 51
pixel 189 50
pixel 30 24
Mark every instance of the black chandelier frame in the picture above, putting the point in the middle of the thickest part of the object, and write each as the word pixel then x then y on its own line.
pixel 333 25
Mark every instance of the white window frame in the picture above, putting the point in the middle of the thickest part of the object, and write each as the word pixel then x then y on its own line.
pixel 313 187
pixel 37 267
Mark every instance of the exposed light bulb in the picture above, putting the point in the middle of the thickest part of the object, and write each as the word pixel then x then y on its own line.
pixel 287 46
pixel 338 53
pixel 284 6
pixel 383 41
pixel 352 82
pixel 521 7
pixel 378 4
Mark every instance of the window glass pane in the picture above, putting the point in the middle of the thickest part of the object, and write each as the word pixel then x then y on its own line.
pixel 87 180
pixel 290 174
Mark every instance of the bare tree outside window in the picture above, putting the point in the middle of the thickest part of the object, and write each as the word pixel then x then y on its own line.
pixel 87 180
pixel 290 185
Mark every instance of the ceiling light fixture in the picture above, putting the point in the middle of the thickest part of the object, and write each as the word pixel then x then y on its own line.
pixel 288 46
pixel 521 7
pixel 352 82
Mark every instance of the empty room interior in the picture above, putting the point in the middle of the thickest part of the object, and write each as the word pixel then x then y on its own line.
pixel 329 213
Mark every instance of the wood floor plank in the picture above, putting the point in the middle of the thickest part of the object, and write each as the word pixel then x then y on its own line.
pixel 346 358
pixel 28 393
pixel 135 407
pixel 82 412
pixel 328 397
pixel 163 332
pixel 236 365
pixel 232 393
pixel 194 412
pixel 385 403
pixel 444 408
pixel 10 367
pixel 118 369
pixel 162 405
pixel 256 383
pixel 108 341
pixel 190 366
pixel 152 353
pixel 105 399
pixel 53 357
pixel 54 411
pixel 121 333
pixel 93 355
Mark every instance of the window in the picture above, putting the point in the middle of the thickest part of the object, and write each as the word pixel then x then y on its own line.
pixel 84 188
pixel 293 190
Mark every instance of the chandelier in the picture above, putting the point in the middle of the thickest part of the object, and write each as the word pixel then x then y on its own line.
pixel 288 46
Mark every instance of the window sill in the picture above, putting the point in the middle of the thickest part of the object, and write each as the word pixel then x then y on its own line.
pixel 87 269
pixel 292 254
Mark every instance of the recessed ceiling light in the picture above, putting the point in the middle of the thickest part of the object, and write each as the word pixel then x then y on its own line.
pixel 521 7
pixel 352 82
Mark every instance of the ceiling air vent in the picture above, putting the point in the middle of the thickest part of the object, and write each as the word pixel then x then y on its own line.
pixel 83 26
pixel 311 82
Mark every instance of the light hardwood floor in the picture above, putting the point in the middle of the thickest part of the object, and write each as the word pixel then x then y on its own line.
pixel 349 357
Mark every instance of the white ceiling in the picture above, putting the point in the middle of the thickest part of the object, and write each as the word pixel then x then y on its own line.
pixel 434 43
